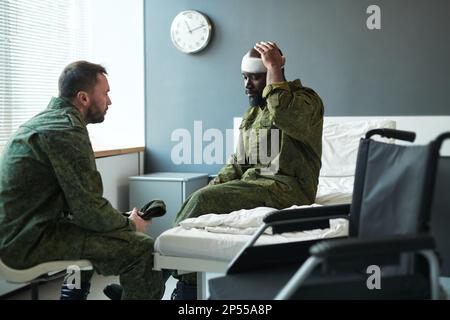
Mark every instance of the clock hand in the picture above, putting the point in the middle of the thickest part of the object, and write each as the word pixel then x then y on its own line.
pixel 187 25
pixel 199 27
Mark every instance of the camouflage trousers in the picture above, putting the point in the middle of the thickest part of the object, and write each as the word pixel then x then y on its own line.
pixel 229 196
pixel 225 198
pixel 125 253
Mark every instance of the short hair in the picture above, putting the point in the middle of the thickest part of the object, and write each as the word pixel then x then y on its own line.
pixel 78 76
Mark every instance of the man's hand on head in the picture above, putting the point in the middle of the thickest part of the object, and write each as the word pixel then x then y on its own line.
pixel 272 59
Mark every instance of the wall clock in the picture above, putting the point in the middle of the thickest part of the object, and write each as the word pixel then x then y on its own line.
pixel 191 31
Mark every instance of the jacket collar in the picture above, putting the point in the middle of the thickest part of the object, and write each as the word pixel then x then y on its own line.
pixel 63 104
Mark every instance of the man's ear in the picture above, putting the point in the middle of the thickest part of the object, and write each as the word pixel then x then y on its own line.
pixel 83 98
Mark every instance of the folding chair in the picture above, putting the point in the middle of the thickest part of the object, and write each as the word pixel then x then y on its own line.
pixel 388 241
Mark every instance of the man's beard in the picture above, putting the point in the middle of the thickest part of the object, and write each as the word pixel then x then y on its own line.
pixel 94 116
pixel 96 119
pixel 256 101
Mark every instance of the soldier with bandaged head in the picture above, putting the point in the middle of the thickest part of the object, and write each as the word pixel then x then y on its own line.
pixel 278 158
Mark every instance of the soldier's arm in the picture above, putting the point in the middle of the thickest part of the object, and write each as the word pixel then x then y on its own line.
pixel 231 171
pixel 299 114
pixel 73 162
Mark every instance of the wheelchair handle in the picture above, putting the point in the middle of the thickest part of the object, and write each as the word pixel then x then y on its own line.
pixel 440 139
pixel 392 133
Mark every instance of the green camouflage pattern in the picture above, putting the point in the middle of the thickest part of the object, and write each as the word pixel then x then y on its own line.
pixel 297 112
pixel 52 205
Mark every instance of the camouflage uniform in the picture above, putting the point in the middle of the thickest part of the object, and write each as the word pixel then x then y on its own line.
pixel 297 112
pixel 51 205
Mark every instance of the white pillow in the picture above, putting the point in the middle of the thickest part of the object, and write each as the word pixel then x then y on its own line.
pixel 340 143
pixel 334 190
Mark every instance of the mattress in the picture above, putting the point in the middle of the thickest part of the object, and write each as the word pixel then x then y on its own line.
pixel 200 243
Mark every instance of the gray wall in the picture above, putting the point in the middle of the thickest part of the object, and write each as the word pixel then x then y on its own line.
pixel 402 69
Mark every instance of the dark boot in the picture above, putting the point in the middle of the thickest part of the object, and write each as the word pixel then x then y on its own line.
pixel 113 291
pixel 75 294
pixel 184 291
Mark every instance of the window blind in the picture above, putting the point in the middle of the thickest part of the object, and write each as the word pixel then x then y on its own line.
pixel 38 38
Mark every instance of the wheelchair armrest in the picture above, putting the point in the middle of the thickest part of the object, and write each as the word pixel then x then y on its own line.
pixel 350 247
pixel 307 212
pixel 289 220
pixel 273 255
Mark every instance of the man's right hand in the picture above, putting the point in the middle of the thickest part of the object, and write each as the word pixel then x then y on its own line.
pixel 215 181
pixel 272 59
pixel 141 224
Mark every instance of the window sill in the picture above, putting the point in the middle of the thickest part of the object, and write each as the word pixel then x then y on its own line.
pixel 109 152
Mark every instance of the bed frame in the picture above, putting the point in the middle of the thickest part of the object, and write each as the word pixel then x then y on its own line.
pixel 205 268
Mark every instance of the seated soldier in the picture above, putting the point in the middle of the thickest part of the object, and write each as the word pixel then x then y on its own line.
pixel 51 203
pixel 286 118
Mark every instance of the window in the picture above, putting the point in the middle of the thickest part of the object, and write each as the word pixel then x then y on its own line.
pixel 37 40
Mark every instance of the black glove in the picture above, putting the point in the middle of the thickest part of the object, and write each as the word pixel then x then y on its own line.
pixel 153 209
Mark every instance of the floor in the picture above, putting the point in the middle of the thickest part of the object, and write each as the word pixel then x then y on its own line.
pixel 51 290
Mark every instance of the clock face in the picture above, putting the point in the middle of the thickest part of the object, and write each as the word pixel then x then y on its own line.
pixel 190 31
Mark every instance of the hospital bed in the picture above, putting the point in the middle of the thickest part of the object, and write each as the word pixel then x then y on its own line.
pixel 207 244
pixel 389 220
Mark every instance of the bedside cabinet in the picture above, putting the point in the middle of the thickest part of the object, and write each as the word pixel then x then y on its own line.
pixel 171 187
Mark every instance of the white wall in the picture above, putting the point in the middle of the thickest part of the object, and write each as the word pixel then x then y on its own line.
pixel 115 172
pixel 117 37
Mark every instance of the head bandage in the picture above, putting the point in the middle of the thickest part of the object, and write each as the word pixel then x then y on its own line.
pixel 252 65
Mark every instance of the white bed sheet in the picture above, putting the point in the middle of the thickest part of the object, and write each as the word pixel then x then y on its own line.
pixel 202 244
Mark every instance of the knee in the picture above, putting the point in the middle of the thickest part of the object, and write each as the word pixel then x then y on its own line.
pixel 141 245
pixel 194 205
pixel 197 197
pixel 207 192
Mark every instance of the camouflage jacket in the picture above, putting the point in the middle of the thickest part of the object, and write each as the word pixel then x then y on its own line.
pixel 280 143
pixel 48 175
